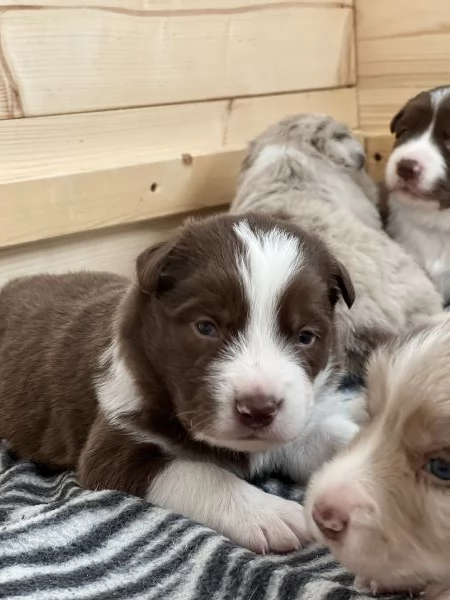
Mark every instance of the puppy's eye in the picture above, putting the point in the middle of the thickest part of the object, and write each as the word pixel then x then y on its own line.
pixel 339 137
pixel 439 468
pixel 206 328
pixel 306 338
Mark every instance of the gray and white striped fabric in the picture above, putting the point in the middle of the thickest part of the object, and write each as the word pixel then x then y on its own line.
pixel 58 541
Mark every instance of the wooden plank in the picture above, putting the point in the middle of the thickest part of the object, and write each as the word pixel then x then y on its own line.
pixel 249 116
pixel 53 146
pixel 45 208
pixel 169 5
pixel 66 60
pixel 112 250
pixel 402 48
pixel 378 149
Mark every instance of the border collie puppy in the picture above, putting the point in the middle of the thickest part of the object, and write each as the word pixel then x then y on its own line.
pixel 216 365
pixel 418 181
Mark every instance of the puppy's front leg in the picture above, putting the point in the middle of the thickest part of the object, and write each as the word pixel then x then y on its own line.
pixel 199 490
pixel 219 499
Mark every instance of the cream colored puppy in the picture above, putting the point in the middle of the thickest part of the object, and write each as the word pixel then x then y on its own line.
pixel 310 170
pixel 383 505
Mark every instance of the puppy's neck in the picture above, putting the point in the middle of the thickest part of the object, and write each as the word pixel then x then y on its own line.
pixel 423 213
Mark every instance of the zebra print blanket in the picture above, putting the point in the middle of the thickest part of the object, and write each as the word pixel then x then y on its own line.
pixel 59 542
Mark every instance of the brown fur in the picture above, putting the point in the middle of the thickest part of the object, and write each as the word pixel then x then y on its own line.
pixel 55 329
pixel 413 119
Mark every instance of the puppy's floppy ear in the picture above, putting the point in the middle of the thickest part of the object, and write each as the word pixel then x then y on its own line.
pixel 342 285
pixel 396 119
pixel 152 268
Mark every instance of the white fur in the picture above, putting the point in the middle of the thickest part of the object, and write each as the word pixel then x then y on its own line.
pixel 224 502
pixel 117 393
pixel 418 224
pixel 438 95
pixel 408 389
pixel 424 231
pixel 119 398
pixel 259 361
pixel 331 425
pixel 423 150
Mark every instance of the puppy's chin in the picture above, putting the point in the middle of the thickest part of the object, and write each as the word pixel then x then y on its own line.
pixel 260 440
pixel 414 197
pixel 239 445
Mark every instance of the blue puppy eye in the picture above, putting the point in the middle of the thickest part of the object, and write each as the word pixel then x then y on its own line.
pixel 206 328
pixel 439 468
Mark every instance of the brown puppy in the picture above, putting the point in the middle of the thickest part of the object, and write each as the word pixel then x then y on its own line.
pixel 216 365
pixel 418 180
pixel 383 505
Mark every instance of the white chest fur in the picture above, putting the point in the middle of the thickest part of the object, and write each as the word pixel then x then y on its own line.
pixel 424 231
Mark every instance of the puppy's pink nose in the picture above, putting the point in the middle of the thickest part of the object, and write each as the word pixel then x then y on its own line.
pixel 408 169
pixel 331 520
pixel 257 411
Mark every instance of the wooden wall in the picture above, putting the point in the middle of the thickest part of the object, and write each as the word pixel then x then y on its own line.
pixel 117 117
pixel 116 112
pixel 403 47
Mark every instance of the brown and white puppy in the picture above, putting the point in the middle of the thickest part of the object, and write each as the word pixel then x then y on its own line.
pixel 215 366
pixel 418 179
pixel 383 505
pixel 311 169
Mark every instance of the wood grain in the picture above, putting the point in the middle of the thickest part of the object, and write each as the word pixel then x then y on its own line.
pixel 402 48
pixel 112 250
pixel 68 60
pixel 52 146
pixel 45 208
pixel 249 116
pixel 71 173
pixel 147 6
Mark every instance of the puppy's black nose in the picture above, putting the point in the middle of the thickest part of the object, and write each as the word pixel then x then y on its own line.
pixel 257 410
pixel 408 169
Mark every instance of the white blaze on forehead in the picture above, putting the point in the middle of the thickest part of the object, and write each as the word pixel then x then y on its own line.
pixel 259 360
pixel 423 149
pixel 271 260
pixel 437 96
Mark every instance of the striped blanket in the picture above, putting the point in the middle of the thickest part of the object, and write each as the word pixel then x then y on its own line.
pixel 60 542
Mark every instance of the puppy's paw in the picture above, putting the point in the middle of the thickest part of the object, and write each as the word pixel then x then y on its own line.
pixel 271 524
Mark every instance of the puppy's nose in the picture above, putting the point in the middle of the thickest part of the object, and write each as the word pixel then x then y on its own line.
pixel 331 521
pixel 257 410
pixel 408 169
